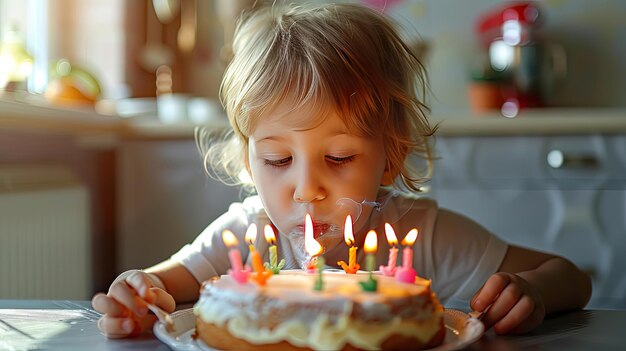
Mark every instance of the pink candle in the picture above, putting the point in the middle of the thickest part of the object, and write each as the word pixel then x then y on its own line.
pixel 407 257
pixel 235 259
pixel 393 257
pixel 407 274
pixel 234 255
pixel 390 268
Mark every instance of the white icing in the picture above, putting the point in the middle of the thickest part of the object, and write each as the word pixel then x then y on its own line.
pixel 261 315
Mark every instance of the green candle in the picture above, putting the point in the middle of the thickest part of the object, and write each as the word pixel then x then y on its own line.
pixel 273 256
pixel 320 267
pixel 370 262
pixel 273 264
pixel 371 242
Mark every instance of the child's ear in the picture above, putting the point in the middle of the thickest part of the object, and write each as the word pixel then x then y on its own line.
pixel 388 175
pixel 387 179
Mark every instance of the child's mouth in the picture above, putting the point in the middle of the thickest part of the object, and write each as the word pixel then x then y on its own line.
pixel 319 229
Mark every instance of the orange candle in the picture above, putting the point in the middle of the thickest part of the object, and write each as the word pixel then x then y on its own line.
pixel 261 275
pixel 352 267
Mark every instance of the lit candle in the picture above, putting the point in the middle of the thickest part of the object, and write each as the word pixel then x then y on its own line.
pixel 371 243
pixel 319 285
pixel 390 268
pixel 236 272
pixel 407 274
pixel 352 267
pixel 261 275
pixel 270 237
pixel 310 244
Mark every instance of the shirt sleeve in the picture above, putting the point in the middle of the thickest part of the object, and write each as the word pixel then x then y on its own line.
pixel 465 255
pixel 207 255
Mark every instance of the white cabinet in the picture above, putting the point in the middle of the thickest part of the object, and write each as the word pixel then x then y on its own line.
pixel 575 208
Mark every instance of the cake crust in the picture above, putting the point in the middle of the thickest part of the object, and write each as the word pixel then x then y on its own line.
pixel 221 339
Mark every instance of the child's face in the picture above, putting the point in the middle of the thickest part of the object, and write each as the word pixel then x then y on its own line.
pixel 300 168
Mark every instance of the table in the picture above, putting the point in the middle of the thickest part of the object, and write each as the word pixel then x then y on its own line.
pixel 71 325
pixel 60 325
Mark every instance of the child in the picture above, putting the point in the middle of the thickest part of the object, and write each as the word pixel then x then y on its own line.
pixel 326 105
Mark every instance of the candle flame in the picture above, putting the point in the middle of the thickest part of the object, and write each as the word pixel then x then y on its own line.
pixel 371 242
pixel 270 237
pixel 251 234
pixel 391 235
pixel 229 238
pixel 410 238
pixel 310 244
pixel 347 231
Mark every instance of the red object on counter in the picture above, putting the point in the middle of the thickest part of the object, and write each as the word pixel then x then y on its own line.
pixel 489 25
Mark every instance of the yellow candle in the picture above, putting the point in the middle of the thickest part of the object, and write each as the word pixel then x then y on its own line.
pixel 352 258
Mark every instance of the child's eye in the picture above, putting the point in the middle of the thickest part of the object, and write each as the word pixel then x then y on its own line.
pixel 340 160
pixel 278 163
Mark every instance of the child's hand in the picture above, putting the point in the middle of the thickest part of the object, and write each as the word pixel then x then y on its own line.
pixel 516 305
pixel 124 307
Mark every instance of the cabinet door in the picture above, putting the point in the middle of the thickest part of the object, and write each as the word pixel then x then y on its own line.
pixel 576 210
pixel 165 199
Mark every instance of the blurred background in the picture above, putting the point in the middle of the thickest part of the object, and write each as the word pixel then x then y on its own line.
pixel 99 171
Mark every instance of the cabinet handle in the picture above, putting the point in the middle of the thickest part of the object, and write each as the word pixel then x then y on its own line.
pixel 557 159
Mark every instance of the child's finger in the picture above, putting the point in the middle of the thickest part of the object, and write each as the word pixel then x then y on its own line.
pixel 123 294
pixel 163 300
pixel 107 305
pixel 142 284
pixel 115 328
pixel 516 316
pixel 504 303
pixel 490 291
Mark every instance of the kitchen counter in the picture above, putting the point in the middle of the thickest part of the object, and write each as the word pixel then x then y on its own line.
pixel 548 121
pixel 86 122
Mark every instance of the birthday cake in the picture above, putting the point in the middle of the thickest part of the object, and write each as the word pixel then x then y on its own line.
pixel 288 313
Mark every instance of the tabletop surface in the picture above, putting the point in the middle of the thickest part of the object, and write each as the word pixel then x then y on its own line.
pixel 71 325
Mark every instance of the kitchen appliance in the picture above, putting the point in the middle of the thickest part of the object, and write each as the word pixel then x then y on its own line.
pixel 518 58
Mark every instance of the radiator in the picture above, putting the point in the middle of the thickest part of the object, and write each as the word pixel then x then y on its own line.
pixel 45 250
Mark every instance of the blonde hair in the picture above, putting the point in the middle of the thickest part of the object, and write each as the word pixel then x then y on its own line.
pixel 342 56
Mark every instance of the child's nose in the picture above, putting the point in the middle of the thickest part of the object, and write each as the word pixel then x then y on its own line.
pixel 308 188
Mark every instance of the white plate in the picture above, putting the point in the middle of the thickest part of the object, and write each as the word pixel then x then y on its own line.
pixel 461 331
